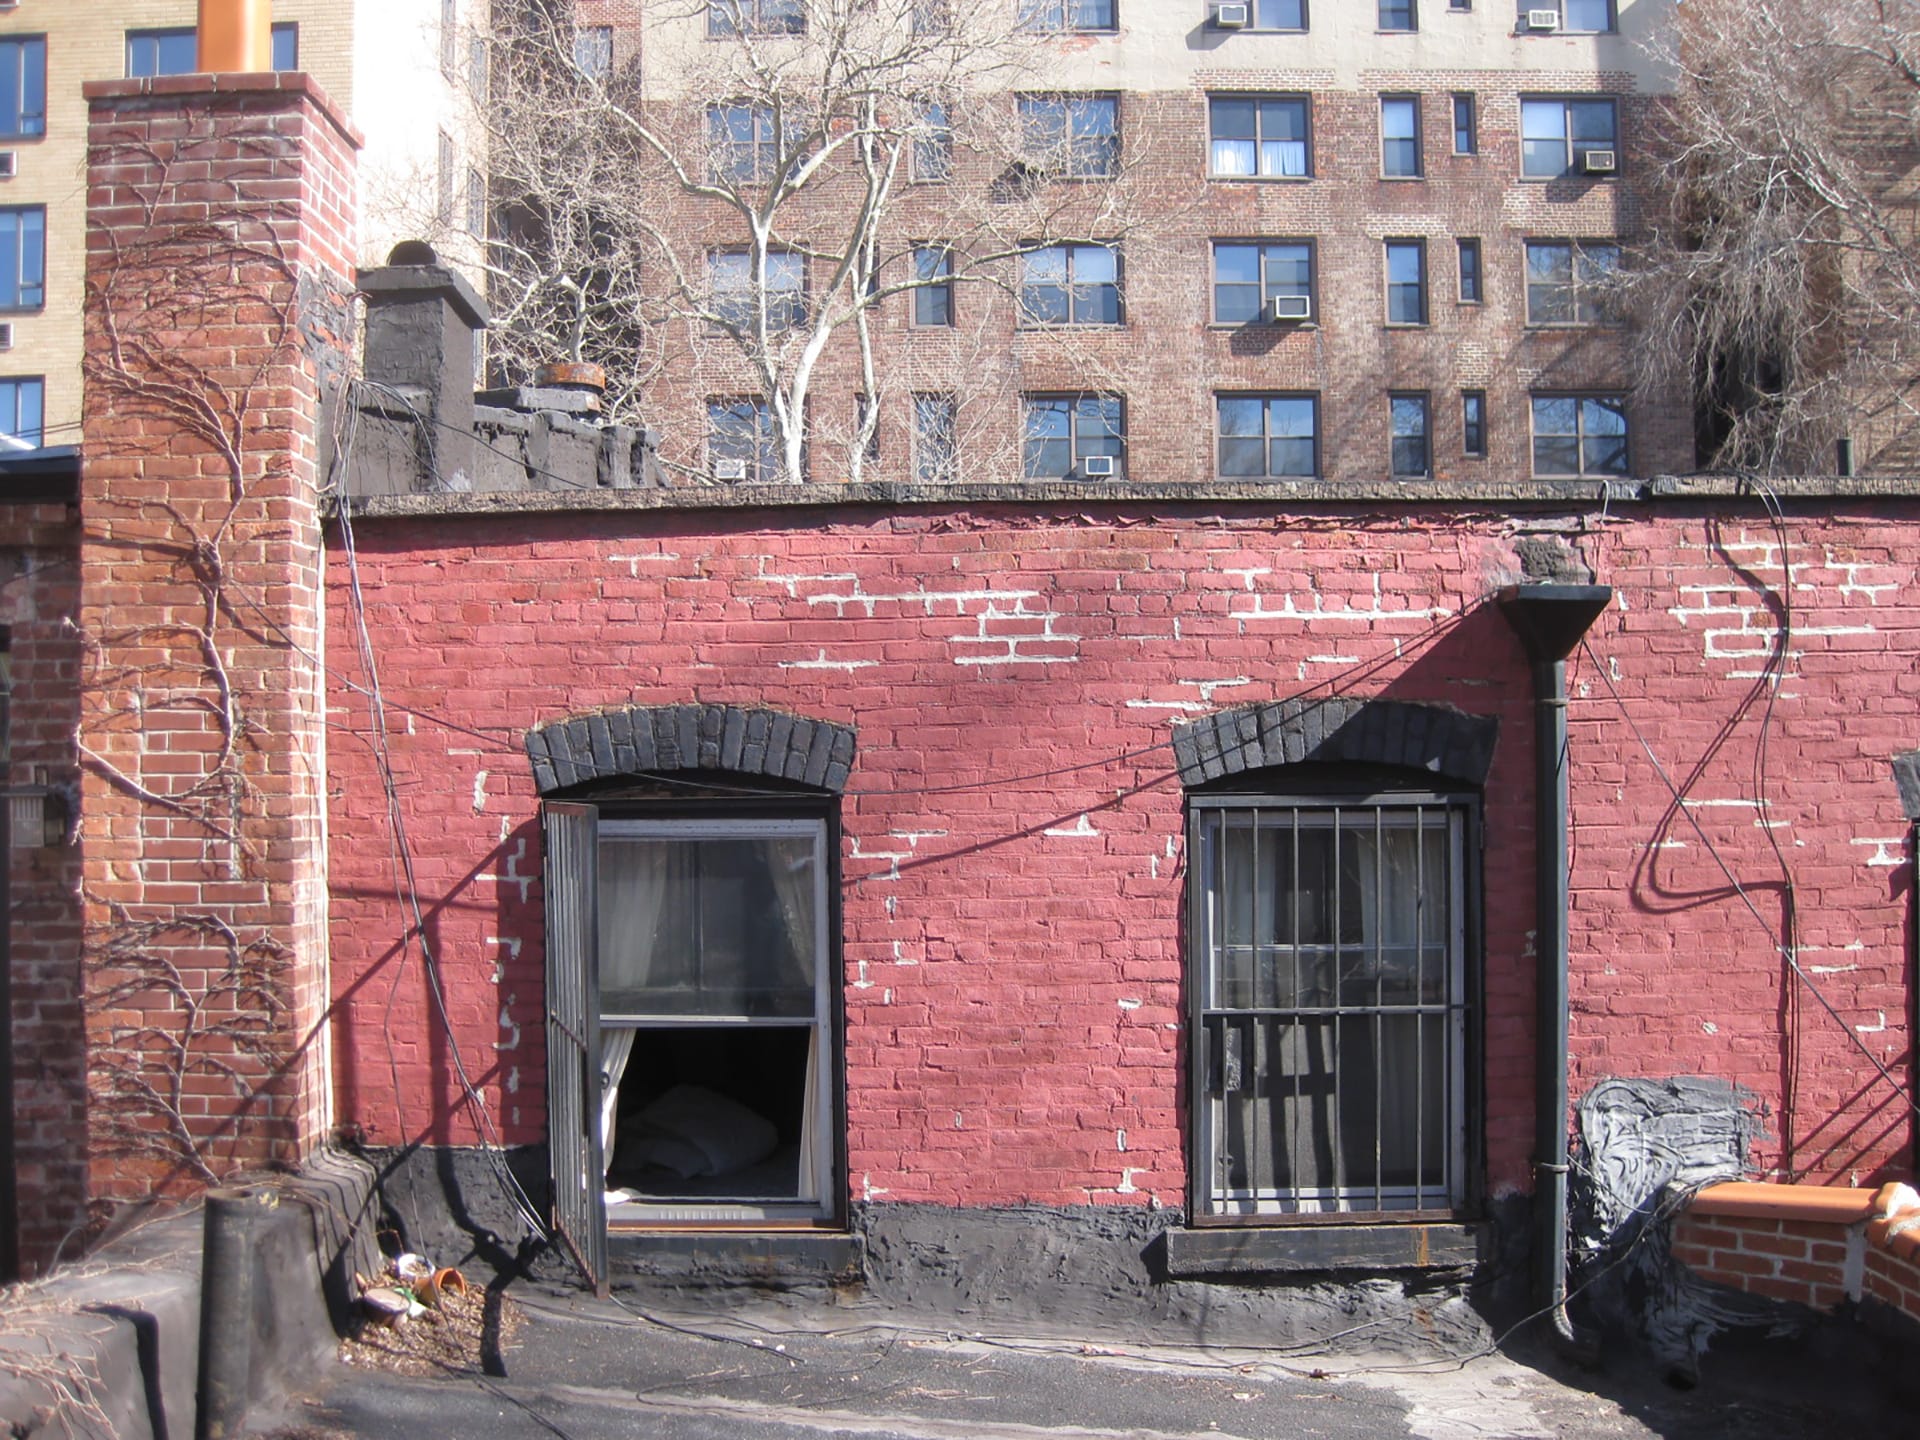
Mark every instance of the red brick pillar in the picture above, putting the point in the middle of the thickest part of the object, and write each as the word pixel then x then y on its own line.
pixel 220 222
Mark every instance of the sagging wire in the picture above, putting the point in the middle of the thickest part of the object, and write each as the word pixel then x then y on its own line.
pixel 1780 944
pixel 408 894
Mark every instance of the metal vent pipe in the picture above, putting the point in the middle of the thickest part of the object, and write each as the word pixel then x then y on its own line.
pixel 236 36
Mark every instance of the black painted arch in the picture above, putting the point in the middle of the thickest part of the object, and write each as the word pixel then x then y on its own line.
pixel 1435 739
pixel 662 739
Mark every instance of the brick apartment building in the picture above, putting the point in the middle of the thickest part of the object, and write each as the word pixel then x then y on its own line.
pixel 1009 890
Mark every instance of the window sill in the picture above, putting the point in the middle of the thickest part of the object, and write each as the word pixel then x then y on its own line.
pixel 745 1256
pixel 1258 179
pixel 1067 326
pixel 1236 327
pixel 1270 1250
pixel 1402 179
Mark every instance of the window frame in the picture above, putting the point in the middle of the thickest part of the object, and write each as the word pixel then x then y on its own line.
pixel 1058 17
pixel 759 451
pixel 1583 313
pixel 1259 99
pixel 28 277
pixel 20 386
pixel 1473 424
pixel 782 315
pixel 930 158
pixel 936 451
pixel 1572 149
pixel 1417 244
pixel 1410 9
pixel 1414 402
pixel 1266 291
pixel 30 52
pixel 933 286
pixel 1612 400
pixel 769 19
pixel 1466 123
pixel 1567 27
pixel 1334 792
pixel 1070 288
pixel 1259 9
pixel 1079 446
pixel 1266 400
pixel 1417 140
pixel 1472 271
pixel 1061 155
pixel 278 32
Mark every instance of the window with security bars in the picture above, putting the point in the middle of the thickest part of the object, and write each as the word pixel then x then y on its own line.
pixel 1329 992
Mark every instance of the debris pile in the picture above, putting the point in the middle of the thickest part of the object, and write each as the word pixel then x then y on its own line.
pixel 416 1318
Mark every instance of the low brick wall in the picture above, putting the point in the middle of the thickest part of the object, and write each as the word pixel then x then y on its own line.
pixel 1812 1245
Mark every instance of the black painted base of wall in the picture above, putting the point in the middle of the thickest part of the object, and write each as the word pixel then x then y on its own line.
pixel 1093 1270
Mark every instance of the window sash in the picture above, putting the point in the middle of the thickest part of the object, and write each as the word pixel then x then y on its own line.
pixel 23 87
pixel 23 257
pixel 1411 446
pixel 1268 436
pixel 1247 274
pixel 1280 14
pixel 1061 431
pixel 742 430
pixel 1399 15
pixel 1400 137
pixel 1076 137
pixel 1554 133
pixel 727 19
pixel 1406 282
pixel 935 435
pixel 1330 999
pixel 1070 285
pixel 1061 16
pixel 1254 136
pixel 23 408
pixel 933 297
pixel 1580 435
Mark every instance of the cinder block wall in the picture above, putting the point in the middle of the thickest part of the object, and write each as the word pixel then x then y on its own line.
pixel 220 225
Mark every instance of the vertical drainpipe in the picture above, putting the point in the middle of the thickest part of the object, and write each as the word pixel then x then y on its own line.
pixel 1550 620
pixel 236 36
pixel 1906 779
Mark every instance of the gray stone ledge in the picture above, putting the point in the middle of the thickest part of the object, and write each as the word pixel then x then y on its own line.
pixel 1321 493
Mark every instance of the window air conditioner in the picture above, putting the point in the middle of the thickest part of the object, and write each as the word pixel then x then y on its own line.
pixel 1597 162
pixel 6 336
pixel 729 469
pixel 1097 465
pixel 9 161
pixel 1543 19
pixel 1230 17
pixel 1289 307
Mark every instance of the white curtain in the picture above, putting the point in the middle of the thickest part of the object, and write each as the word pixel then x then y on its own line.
pixel 794 872
pixel 633 885
pixel 1391 881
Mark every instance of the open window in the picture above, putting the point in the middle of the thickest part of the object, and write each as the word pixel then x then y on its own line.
pixel 1328 977
pixel 691 1058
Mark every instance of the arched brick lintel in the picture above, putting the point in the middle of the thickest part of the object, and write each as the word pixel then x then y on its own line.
pixel 1436 739
pixel 658 739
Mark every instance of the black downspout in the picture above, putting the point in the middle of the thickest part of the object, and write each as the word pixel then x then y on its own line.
pixel 1550 620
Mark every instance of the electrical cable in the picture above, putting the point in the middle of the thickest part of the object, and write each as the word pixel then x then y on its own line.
pixel 1740 890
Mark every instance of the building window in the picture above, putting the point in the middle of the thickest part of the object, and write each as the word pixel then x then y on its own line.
pixel 699 950
pixel 449 36
pixel 1064 435
pixel 933 287
pixel 935 433
pixel 1067 15
pixel 932 143
pixel 1406 282
pixel 931 17
pixel 443 180
pixel 1070 285
pixel 593 51
pixel 23 400
pixel 727 18
pixel 1473 424
pixel 1466 131
pixel 1249 276
pixel 743 144
pixel 1279 14
pixel 740 446
pixel 176 51
pixel 1412 455
pixel 1587 17
pixel 1268 436
pixel 1567 281
pixel 1074 137
pixel 1329 982
pixel 1469 272
pixel 1568 136
pixel 1399 15
pixel 732 290
pixel 1579 435
pixel 23 257
pixel 1400 137
pixel 476 204
pixel 23 88
pixel 1259 135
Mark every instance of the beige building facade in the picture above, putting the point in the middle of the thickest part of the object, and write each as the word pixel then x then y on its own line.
pixel 383 61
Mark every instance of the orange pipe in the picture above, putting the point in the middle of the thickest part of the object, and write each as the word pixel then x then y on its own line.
pixel 236 35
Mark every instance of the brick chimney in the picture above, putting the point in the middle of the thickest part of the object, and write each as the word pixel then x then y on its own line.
pixel 220 226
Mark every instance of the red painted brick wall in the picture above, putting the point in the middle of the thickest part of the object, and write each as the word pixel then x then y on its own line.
pixel 39 594
pixel 1013 886
pixel 1797 1260
pixel 219 221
